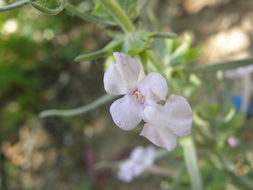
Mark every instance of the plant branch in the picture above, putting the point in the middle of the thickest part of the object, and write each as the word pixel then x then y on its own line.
pixel 77 12
pixel 77 111
pixel 50 11
pixel 191 162
pixel 15 5
pixel 224 65
pixel 119 15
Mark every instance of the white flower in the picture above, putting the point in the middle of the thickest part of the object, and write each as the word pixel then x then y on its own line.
pixel 126 77
pixel 140 160
pixel 239 72
pixel 140 102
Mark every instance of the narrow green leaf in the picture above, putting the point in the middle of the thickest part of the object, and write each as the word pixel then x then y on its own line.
pixel 114 34
pixel 177 56
pixel 77 111
pixel 85 16
pixel 192 54
pixel 181 50
pixel 191 162
pixel 169 43
pixel 90 56
pixel 163 35
pixel 110 47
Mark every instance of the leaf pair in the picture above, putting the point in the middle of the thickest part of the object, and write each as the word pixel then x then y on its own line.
pixel 130 43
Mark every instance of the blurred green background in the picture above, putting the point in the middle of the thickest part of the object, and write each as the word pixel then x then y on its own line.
pixel 37 72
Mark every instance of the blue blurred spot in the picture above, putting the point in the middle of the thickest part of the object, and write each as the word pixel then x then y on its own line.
pixel 237 102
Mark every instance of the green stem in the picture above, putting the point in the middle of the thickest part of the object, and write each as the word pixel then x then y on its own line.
pixel 77 111
pixel 191 162
pixel 222 66
pixel 50 11
pixel 119 15
pixel 15 5
pixel 77 12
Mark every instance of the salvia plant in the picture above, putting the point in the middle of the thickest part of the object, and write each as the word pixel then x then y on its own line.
pixel 155 83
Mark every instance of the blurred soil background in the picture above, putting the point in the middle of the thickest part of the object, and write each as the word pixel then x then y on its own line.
pixel 37 72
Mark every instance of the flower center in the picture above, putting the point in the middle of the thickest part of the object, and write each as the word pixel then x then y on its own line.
pixel 136 94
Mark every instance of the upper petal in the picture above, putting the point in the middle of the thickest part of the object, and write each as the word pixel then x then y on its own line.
pixel 126 113
pixel 130 70
pixel 175 115
pixel 113 81
pixel 160 136
pixel 154 87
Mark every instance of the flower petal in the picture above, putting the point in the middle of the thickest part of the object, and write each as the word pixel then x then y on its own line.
pixel 137 153
pixel 125 172
pixel 130 70
pixel 154 87
pixel 149 157
pixel 126 113
pixel 175 115
pixel 113 81
pixel 160 136
pixel 180 113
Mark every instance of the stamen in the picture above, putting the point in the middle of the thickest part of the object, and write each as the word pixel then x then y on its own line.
pixel 138 96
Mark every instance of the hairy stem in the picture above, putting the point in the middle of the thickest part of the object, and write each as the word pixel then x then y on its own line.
pixel 77 111
pixel 85 16
pixel 191 162
pixel 119 15
pixel 15 5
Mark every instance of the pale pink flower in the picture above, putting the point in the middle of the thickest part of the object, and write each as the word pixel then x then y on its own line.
pixel 126 77
pixel 140 160
pixel 142 94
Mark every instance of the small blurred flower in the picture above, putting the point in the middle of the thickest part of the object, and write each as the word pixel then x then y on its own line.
pixel 233 142
pixel 140 160
pixel 142 94
pixel 239 72
pixel 242 102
